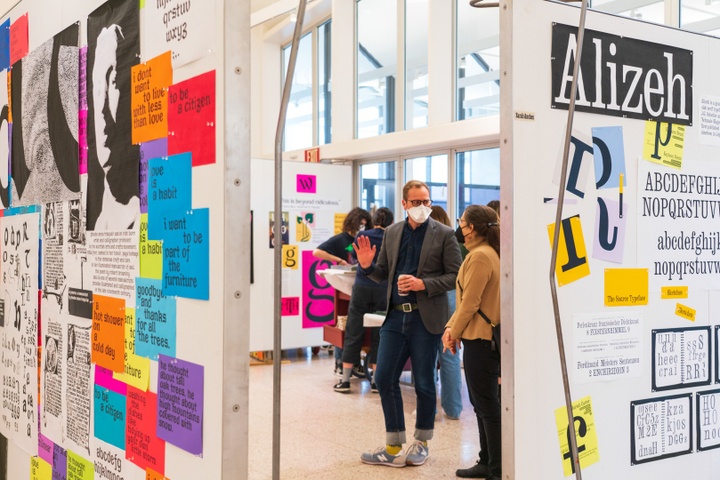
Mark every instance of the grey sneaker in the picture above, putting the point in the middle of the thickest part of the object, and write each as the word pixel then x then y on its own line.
pixel 382 457
pixel 417 453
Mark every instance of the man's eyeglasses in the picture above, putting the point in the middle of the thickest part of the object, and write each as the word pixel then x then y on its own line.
pixel 417 203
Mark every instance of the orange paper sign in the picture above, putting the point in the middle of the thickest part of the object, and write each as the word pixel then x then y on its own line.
pixel 108 332
pixel 150 83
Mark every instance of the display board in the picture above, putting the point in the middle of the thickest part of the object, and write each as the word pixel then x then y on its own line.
pixel 112 294
pixel 315 199
pixel 639 263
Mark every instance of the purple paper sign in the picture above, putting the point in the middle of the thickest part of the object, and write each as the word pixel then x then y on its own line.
pixel 306 184
pixel 180 403
pixel 154 149
pixel 609 242
pixel 59 463
pixel 83 78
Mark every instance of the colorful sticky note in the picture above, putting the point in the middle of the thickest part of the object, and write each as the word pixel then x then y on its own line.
pixel 318 296
pixel 150 252
pixel 572 263
pixel 149 100
pixel 339 220
pixel 180 390
pixel 108 331
pixel 40 469
pixel 306 184
pixel 626 287
pixel 104 379
pixel 137 368
pixel 153 149
pixel 5 45
pixel 155 320
pixel 585 435
pixel 685 312
pixel 290 306
pixel 673 292
pixel 144 448
pixel 186 255
pixel 169 192
pixel 78 468
pixel 610 229
pixel 109 415
pixel 45 445
pixel 19 39
pixel 664 143
pixel 82 141
pixel 151 474
pixel 60 463
pixel 290 258
pixel 304 224
pixel 191 118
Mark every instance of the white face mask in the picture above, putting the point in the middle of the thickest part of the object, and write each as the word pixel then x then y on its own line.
pixel 419 214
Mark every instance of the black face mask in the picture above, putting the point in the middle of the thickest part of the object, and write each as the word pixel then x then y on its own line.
pixel 459 235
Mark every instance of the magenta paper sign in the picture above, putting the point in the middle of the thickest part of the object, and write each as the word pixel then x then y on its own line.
pixel 318 296
pixel 290 306
pixel 306 184
pixel 104 378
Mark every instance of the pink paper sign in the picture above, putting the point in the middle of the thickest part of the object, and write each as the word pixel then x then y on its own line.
pixel 306 184
pixel 19 39
pixel 191 118
pixel 104 378
pixel 318 295
pixel 82 143
pixel 290 306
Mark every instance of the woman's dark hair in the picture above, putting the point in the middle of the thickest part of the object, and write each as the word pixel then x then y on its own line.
pixel 354 219
pixel 438 213
pixel 495 205
pixel 486 224
pixel 383 217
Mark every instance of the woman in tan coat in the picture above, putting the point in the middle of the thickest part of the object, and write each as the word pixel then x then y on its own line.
pixel 478 288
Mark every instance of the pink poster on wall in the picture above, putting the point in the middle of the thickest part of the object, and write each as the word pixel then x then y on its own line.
pixel 318 297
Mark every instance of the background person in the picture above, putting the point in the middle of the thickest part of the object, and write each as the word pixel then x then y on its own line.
pixel 338 249
pixel 419 258
pixel 367 297
pixel 478 287
pixel 451 384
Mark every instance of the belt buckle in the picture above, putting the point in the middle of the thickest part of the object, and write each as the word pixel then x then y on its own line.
pixel 406 307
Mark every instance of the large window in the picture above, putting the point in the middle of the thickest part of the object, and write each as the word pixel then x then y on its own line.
pixel 433 170
pixel 648 10
pixel 700 16
pixel 416 64
pixel 308 116
pixel 478 177
pixel 477 61
pixel 377 186
pixel 376 66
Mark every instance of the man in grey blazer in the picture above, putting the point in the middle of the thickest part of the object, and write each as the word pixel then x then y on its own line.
pixel 420 259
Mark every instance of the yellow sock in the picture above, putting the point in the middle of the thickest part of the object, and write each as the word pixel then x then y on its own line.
pixel 393 449
pixel 424 442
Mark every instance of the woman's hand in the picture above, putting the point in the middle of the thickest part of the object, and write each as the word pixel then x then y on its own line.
pixel 364 250
pixel 450 343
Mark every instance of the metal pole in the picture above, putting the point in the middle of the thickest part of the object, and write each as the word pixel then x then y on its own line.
pixel 556 241
pixel 277 235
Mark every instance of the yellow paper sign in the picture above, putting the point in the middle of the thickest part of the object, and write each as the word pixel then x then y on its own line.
pixel 626 287
pixel 303 232
pixel 664 143
pixel 78 468
pixel 40 469
pixel 150 83
pixel 685 312
pixel 151 259
pixel 339 219
pixel 290 257
pixel 585 435
pixel 572 263
pixel 673 292
pixel 137 369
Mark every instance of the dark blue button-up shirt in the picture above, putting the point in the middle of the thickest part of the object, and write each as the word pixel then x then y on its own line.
pixel 408 259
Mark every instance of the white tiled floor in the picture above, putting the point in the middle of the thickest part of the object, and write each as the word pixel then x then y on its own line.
pixel 324 432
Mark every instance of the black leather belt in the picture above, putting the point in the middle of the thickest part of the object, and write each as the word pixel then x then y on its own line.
pixel 405 307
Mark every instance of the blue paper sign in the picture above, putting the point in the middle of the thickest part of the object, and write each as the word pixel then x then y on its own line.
pixel 609 155
pixel 186 255
pixel 155 320
pixel 169 191
pixel 110 416
pixel 5 45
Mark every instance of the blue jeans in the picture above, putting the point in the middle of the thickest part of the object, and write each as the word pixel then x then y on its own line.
pixel 451 391
pixel 404 336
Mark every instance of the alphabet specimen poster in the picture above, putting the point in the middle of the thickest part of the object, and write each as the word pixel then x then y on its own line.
pixel 82 323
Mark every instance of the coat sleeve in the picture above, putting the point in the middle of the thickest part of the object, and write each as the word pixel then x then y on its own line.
pixel 451 260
